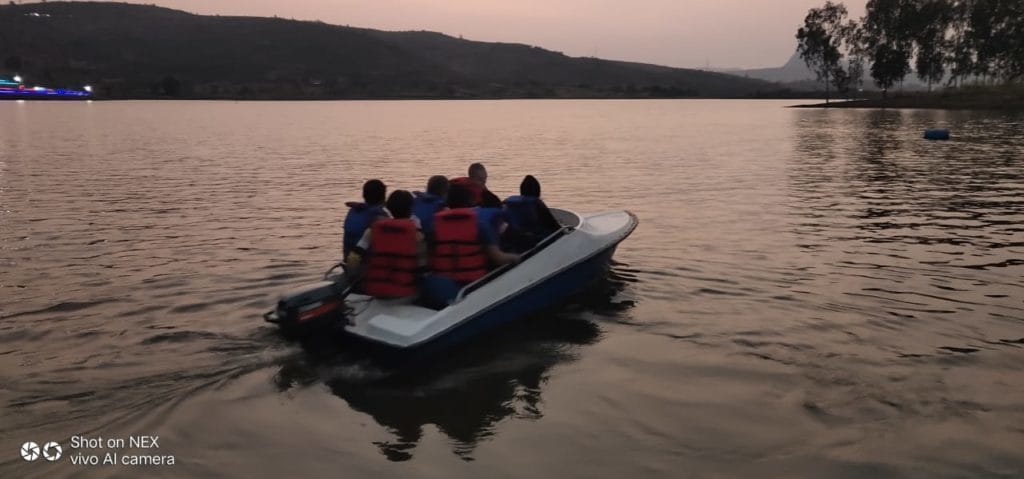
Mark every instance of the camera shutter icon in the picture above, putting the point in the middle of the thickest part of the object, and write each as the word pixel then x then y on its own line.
pixel 52 451
pixel 30 451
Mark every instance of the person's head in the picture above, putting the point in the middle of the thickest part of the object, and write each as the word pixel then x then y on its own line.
pixel 459 197
pixel 400 204
pixel 530 187
pixel 438 186
pixel 374 192
pixel 478 173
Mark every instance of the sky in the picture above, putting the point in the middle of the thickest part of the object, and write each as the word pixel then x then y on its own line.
pixel 683 33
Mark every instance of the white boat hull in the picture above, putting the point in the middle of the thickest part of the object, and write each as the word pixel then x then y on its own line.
pixel 565 266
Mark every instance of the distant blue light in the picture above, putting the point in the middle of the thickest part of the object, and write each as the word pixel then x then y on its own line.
pixel 27 93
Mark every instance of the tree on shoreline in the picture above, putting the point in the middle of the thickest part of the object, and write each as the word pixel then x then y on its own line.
pixel 820 40
pixel 888 27
pixel 855 52
pixel 979 39
pixel 930 25
pixel 958 43
pixel 1005 46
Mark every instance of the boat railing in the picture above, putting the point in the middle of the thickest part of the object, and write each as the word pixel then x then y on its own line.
pixel 551 238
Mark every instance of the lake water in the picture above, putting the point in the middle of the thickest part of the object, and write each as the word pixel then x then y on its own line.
pixel 810 293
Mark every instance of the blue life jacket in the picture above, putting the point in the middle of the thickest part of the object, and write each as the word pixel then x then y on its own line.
pixel 359 217
pixel 521 213
pixel 423 207
pixel 488 220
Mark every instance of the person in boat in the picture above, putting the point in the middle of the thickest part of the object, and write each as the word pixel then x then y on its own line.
pixel 425 205
pixel 476 183
pixel 491 216
pixel 361 215
pixel 392 253
pixel 465 247
pixel 529 219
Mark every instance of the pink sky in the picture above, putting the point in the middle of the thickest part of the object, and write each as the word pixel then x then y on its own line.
pixel 684 33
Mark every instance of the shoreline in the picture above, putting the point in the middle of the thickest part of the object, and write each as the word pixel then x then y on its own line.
pixel 1002 98
pixel 285 99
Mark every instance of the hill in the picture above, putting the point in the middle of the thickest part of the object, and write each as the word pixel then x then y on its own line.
pixel 795 70
pixel 795 74
pixel 143 51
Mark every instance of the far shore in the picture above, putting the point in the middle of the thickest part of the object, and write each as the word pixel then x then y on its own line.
pixel 793 97
pixel 1007 97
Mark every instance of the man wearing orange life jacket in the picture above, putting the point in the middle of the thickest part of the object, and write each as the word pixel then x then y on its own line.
pixel 395 252
pixel 465 247
pixel 476 183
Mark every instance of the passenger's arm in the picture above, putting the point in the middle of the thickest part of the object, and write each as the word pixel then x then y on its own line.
pixel 489 237
pixel 355 257
pixel 353 262
pixel 499 257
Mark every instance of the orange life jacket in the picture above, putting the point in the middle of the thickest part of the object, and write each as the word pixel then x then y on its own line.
pixel 475 189
pixel 392 264
pixel 458 253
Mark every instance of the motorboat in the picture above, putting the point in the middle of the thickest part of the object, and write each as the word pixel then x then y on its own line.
pixel 560 265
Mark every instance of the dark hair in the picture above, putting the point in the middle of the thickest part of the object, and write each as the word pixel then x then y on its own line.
pixel 477 169
pixel 530 187
pixel 400 204
pixel 374 192
pixel 459 196
pixel 437 186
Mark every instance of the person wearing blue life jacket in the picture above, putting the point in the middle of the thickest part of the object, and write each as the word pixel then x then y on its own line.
pixel 529 219
pixel 491 215
pixel 425 205
pixel 361 215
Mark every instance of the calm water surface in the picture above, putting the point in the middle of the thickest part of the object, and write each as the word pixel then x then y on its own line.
pixel 809 294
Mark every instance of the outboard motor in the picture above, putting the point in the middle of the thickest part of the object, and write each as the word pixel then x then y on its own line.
pixel 311 307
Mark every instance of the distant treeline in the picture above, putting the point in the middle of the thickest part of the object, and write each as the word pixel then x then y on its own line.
pixel 944 40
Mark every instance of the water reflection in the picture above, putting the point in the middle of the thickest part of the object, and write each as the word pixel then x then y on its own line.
pixel 468 391
pixel 898 188
pixel 881 134
pixel 901 224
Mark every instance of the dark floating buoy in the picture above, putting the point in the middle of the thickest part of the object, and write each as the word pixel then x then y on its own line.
pixel 936 134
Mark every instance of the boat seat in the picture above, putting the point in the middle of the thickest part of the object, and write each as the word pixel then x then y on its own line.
pixel 402 321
